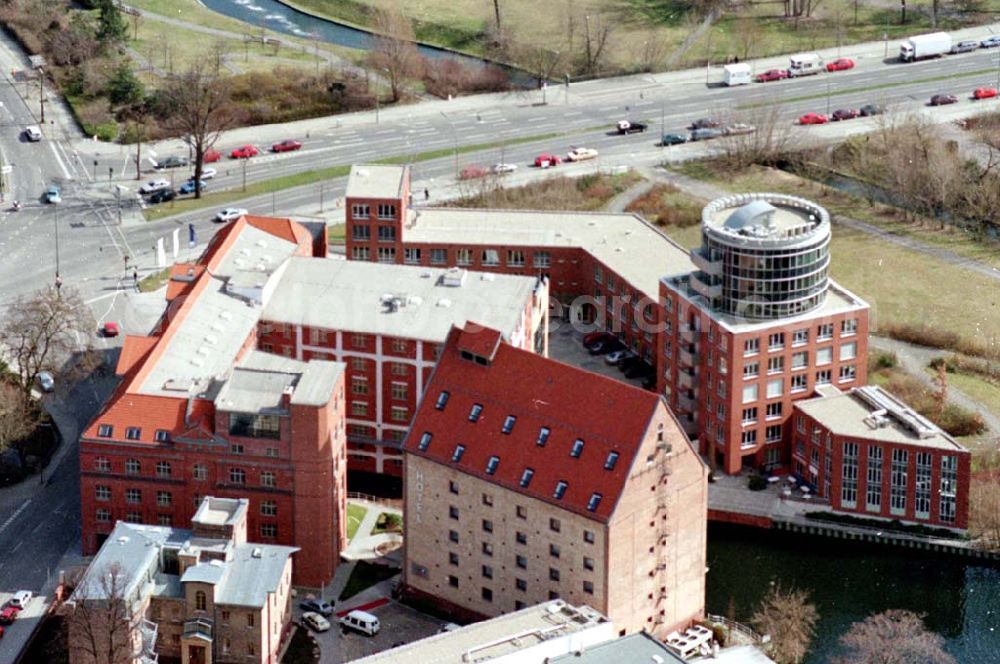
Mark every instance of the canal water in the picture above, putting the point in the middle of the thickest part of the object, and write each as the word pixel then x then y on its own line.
pixel 848 582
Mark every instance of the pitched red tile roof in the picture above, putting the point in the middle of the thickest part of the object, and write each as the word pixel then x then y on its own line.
pixel 606 414
pixel 182 276
pixel 478 340
pixel 134 351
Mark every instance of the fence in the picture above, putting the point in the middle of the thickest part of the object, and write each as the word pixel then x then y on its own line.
pixel 388 502
pixel 734 626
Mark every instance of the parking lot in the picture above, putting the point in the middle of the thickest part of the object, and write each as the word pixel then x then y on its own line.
pixel 566 345
pixel 399 624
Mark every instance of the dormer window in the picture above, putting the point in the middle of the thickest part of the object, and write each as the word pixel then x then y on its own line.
pixel 491 465
pixel 477 410
pixel 609 463
pixel 105 430
pixel 595 500
pixel 561 487
pixel 162 435
pixel 442 400
pixel 543 436
pixel 459 451
pixel 526 477
pixel 425 441
pixel 133 433
pixel 508 424
pixel 577 448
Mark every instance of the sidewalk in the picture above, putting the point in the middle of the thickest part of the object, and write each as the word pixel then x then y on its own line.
pixel 365 544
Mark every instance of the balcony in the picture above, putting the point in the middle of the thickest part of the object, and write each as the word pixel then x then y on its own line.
pixel 687 356
pixel 705 286
pixel 709 267
pixel 688 334
pixel 687 404
pixel 199 628
pixel 686 379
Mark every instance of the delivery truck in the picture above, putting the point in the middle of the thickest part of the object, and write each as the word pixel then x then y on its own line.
pixel 737 74
pixel 804 64
pixel 925 46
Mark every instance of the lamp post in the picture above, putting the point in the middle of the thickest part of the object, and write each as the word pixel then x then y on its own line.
pixel 55 227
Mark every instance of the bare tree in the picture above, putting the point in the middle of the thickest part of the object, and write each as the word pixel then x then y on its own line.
pixel 596 35
pixel 652 52
pixel 496 14
pixel 18 415
pixel 789 618
pixel 893 637
pixel 762 136
pixel 748 33
pixel 103 627
pixel 394 52
pixel 199 110
pixel 984 502
pixel 42 330
pixel 541 62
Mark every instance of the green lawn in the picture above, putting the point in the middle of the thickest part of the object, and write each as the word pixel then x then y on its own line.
pixel 154 281
pixel 365 575
pixel 355 515
pixel 336 234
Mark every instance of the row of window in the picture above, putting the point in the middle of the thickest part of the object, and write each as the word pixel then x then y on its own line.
pixel 199 471
pixel 103 515
pixel 824 332
pixel 555 525
pixel 520 584
pixel 800 360
pixel 798 383
pixel 133 496
pixel 384 211
pixel 462 257
pixel 132 433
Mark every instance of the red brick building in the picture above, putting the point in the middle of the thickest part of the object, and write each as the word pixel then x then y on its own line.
pixel 387 322
pixel 200 412
pixel 866 452
pixel 528 480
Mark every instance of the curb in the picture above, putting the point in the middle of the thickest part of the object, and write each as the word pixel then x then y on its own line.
pixel 367 606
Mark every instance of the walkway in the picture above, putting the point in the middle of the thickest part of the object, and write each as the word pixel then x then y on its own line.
pixel 365 543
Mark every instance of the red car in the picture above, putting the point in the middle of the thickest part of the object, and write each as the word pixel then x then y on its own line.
pixel 813 118
pixel 942 100
pixel 545 160
pixel 110 329
pixel 212 156
pixel 593 337
pixel 244 152
pixel 772 75
pixel 9 615
pixel 984 93
pixel 845 114
pixel 286 146
pixel 840 64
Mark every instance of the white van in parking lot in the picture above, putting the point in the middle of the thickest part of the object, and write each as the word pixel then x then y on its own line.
pixel 361 621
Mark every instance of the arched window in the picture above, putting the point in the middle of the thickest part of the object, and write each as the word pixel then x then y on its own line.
pixel 200 601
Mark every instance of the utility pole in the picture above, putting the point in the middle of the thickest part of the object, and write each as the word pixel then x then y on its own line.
pixel 41 93
pixel 55 226
pixel 3 178
pixel 244 174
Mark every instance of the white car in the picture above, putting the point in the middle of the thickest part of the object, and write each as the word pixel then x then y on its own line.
pixel 46 381
pixel 618 356
pixel 503 168
pixel 154 186
pixel 33 133
pixel 581 154
pixel 229 214
pixel 315 621
pixel 206 174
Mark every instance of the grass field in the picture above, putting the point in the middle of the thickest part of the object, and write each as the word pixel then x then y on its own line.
pixel 355 515
pixel 644 28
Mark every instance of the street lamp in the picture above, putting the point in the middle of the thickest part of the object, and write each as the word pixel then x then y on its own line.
pixel 55 226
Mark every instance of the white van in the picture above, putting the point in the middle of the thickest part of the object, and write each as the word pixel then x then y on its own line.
pixel 21 599
pixel 736 74
pixel 33 133
pixel 361 621
pixel 804 64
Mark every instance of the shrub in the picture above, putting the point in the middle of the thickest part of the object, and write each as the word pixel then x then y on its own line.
pixel 883 360
pixel 666 205
pixel 938 338
pixel 756 483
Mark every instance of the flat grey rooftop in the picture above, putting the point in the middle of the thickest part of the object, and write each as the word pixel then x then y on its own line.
pixel 220 511
pixel 639 648
pixel 253 572
pixel 394 300
pixel 375 181
pixel 625 243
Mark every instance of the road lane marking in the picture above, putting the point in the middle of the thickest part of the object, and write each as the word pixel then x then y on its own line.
pixel 59 159
pixel 13 516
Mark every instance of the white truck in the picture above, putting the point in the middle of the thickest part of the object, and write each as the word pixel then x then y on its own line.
pixel 737 74
pixel 804 64
pixel 925 46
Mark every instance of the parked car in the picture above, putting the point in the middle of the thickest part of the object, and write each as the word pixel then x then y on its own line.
pixel 840 64
pixel 21 599
pixel 581 154
pixel 173 161
pixel 188 187
pixel 705 123
pixel 162 196
pixel 9 615
pixel 229 214
pixel 317 606
pixel 772 75
pixel 53 194
pixel 738 128
pixel 673 139
pixel 449 627
pixel 629 127
pixel 244 152
pixel 33 133
pixel 110 329
pixel 315 621
pixel 361 621
pixel 545 160
pixel 984 93
pixel 46 381
pixel 212 156
pixel 640 370
pixel 287 145
pixel 593 337
pixel 965 46
pixel 942 100
pixel 845 114
pixel 705 133
pixel 206 174
pixel 501 168
pixel 617 356
pixel 990 42
pixel 154 186
pixel 472 173
pixel 813 119
pixel 605 347
pixel 869 110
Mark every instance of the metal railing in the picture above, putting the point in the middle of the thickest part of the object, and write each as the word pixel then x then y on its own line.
pixel 389 502
pixel 734 626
